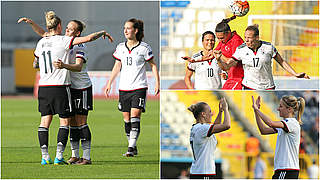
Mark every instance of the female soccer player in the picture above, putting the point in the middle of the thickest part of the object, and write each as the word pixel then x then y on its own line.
pixel 54 93
pixel 286 158
pixel 207 73
pixel 202 140
pixel 256 57
pixel 81 91
pixel 131 57
pixel 228 43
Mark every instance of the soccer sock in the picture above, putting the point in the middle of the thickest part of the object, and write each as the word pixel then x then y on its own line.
pixel 62 141
pixel 75 141
pixel 134 133
pixel 85 141
pixel 127 128
pixel 43 135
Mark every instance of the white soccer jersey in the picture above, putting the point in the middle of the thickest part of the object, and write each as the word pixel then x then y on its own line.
pixel 203 145
pixel 257 66
pixel 80 80
pixel 207 73
pixel 51 49
pixel 133 65
pixel 287 146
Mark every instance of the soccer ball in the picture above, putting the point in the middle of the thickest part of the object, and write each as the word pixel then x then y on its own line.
pixel 239 7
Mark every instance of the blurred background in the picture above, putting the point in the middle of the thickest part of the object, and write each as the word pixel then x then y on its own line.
pixel 18 41
pixel 292 26
pixel 238 148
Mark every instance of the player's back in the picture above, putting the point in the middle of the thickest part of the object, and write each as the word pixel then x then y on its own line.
pixel 50 49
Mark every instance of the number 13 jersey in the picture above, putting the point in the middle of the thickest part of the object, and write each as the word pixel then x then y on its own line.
pixel 51 49
pixel 257 66
pixel 133 65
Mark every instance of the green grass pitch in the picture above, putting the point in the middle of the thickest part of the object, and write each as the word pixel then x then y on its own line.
pixel 21 155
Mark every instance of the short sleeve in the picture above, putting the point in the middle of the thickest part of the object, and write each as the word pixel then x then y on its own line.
pixel 291 125
pixel 116 53
pixel 81 52
pixel 237 54
pixel 274 51
pixel 205 130
pixel 67 42
pixel 191 66
pixel 148 55
pixel 36 52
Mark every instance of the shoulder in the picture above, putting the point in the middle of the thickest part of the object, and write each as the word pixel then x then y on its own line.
pixel 266 43
pixel 145 45
pixel 120 45
pixel 241 46
pixel 80 46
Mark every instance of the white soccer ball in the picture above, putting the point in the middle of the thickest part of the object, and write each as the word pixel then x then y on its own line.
pixel 239 7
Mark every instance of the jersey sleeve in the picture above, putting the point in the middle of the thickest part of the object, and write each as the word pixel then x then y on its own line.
pixel 274 51
pixel 218 46
pixel 237 54
pixel 205 130
pixel 291 126
pixel 116 54
pixel 36 52
pixel 148 55
pixel 67 42
pixel 191 66
pixel 80 50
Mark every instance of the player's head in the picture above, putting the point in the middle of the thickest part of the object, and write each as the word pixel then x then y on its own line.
pixel 201 112
pixel 251 36
pixel 223 30
pixel 75 28
pixel 208 40
pixel 133 29
pixel 289 105
pixel 53 22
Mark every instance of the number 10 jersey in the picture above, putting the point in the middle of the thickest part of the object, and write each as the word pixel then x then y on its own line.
pixel 51 49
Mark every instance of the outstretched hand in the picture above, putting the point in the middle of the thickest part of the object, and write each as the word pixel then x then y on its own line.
pixel 302 75
pixel 223 104
pixel 187 58
pixel 109 37
pixel 256 104
pixel 27 20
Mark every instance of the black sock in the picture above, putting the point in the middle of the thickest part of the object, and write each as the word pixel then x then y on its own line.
pixel 127 129
pixel 43 135
pixel 74 133
pixel 63 134
pixel 85 133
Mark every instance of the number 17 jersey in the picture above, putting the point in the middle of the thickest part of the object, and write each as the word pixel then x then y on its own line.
pixel 133 65
pixel 48 50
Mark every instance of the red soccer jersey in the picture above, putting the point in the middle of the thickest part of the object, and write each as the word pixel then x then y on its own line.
pixel 235 73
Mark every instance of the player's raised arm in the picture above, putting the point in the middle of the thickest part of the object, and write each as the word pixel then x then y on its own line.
pixel 92 37
pixel 261 125
pixel 36 28
pixel 218 127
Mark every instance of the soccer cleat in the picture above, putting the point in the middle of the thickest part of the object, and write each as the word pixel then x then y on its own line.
pixel 135 150
pixel 83 162
pixel 60 162
pixel 46 162
pixel 128 154
pixel 73 160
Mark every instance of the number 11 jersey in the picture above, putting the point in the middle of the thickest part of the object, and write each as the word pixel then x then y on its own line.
pixel 133 65
pixel 51 49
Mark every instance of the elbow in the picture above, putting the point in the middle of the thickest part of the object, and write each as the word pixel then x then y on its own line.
pixel 227 127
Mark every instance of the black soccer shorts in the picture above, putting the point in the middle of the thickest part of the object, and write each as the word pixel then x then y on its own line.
pixel 55 100
pixel 286 174
pixel 82 100
pixel 132 99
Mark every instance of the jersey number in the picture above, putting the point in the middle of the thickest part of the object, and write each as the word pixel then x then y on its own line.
pixel 210 72
pixel 141 102
pixel 45 61
pixel 255 62
pixel 129 61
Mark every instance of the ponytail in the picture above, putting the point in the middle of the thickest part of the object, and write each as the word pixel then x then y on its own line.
pixel 223 26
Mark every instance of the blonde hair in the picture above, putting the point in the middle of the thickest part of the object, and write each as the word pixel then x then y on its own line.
pixel 196 109
pixel 297 104
pixel 52 20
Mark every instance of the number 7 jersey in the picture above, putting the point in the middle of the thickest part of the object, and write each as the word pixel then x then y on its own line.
pixel 48 50
pixel 133 65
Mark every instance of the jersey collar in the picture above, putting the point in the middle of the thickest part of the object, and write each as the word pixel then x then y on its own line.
pixel 132 47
